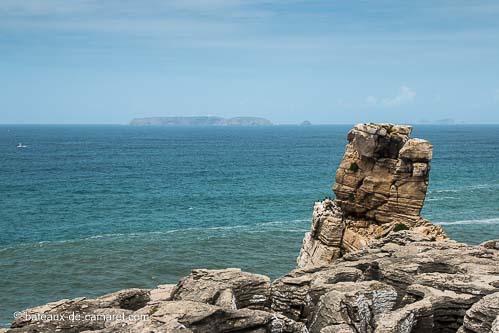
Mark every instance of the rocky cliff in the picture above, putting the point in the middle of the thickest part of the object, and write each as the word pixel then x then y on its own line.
pixel 380 188
pixel 369 264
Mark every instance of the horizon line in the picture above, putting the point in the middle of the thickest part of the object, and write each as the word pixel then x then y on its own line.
pixel 274 124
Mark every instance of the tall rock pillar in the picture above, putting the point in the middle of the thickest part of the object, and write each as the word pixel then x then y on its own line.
pixel 380 188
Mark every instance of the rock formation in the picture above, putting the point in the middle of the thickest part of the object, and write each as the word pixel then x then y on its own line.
pixel 380 188
pixel 205 301
pixel 359 270
pixel 404 282
pixel 482 316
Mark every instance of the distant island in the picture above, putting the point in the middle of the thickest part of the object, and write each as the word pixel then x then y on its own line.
pixel 306 123
pixel 200 121
pixel 445 121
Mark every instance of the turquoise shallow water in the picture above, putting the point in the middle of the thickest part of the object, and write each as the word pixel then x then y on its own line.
pixel 86 210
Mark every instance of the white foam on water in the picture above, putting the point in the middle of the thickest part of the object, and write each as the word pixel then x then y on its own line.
pixel 465 188
pixel 483 186
pixel 470 222
pixel 283 222
pixel 441 198
pixel 444 191
pixel 283 231
pixel 249 227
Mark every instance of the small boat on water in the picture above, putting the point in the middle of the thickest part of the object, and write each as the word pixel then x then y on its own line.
pixel 20 145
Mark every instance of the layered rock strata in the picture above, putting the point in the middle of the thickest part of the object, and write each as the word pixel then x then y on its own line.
pixel 359 271
pixel 380 188
pixel 483 316
pixel 405 282
pixel 205 301
pixel 419 285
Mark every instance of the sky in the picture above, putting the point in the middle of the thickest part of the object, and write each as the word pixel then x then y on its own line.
pixel 108 61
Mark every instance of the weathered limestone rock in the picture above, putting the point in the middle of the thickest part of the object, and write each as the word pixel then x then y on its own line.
pixel 386 179
pixel 482 316
pixel 79 314
pixel 205 301
pixel 129 299
pixel 68 316
pixel 356 305
pixel 323 242
pixel 203 317
pixel 436 282
pixel 491 244
pixel 380 188
pixel 405 282
pixel 416 150
pixel 229 288
pixel 296 294
pixel 189 316
pixel 495 326
pixel 161 293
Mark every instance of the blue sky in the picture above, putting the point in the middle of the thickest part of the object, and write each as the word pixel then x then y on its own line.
pixel 108 61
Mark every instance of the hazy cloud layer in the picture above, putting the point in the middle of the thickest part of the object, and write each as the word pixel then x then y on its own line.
pixel 326 60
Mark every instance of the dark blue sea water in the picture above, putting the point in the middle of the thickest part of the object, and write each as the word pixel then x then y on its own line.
pixel 86 210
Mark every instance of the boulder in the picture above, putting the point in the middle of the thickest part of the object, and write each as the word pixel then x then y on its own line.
pixel 229 287
pixel 161 293
pixel 75 315
pixel 129 299
pixel 384 174
pixel 416 150
pixel 483 316
pixel 491 244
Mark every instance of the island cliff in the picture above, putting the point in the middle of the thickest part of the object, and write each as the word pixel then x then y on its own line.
pixel 200 121
pixel 370 263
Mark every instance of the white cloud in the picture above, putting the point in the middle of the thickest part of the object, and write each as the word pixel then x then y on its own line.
pixel 405 95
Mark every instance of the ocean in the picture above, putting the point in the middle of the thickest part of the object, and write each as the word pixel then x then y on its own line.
pixel 87 210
